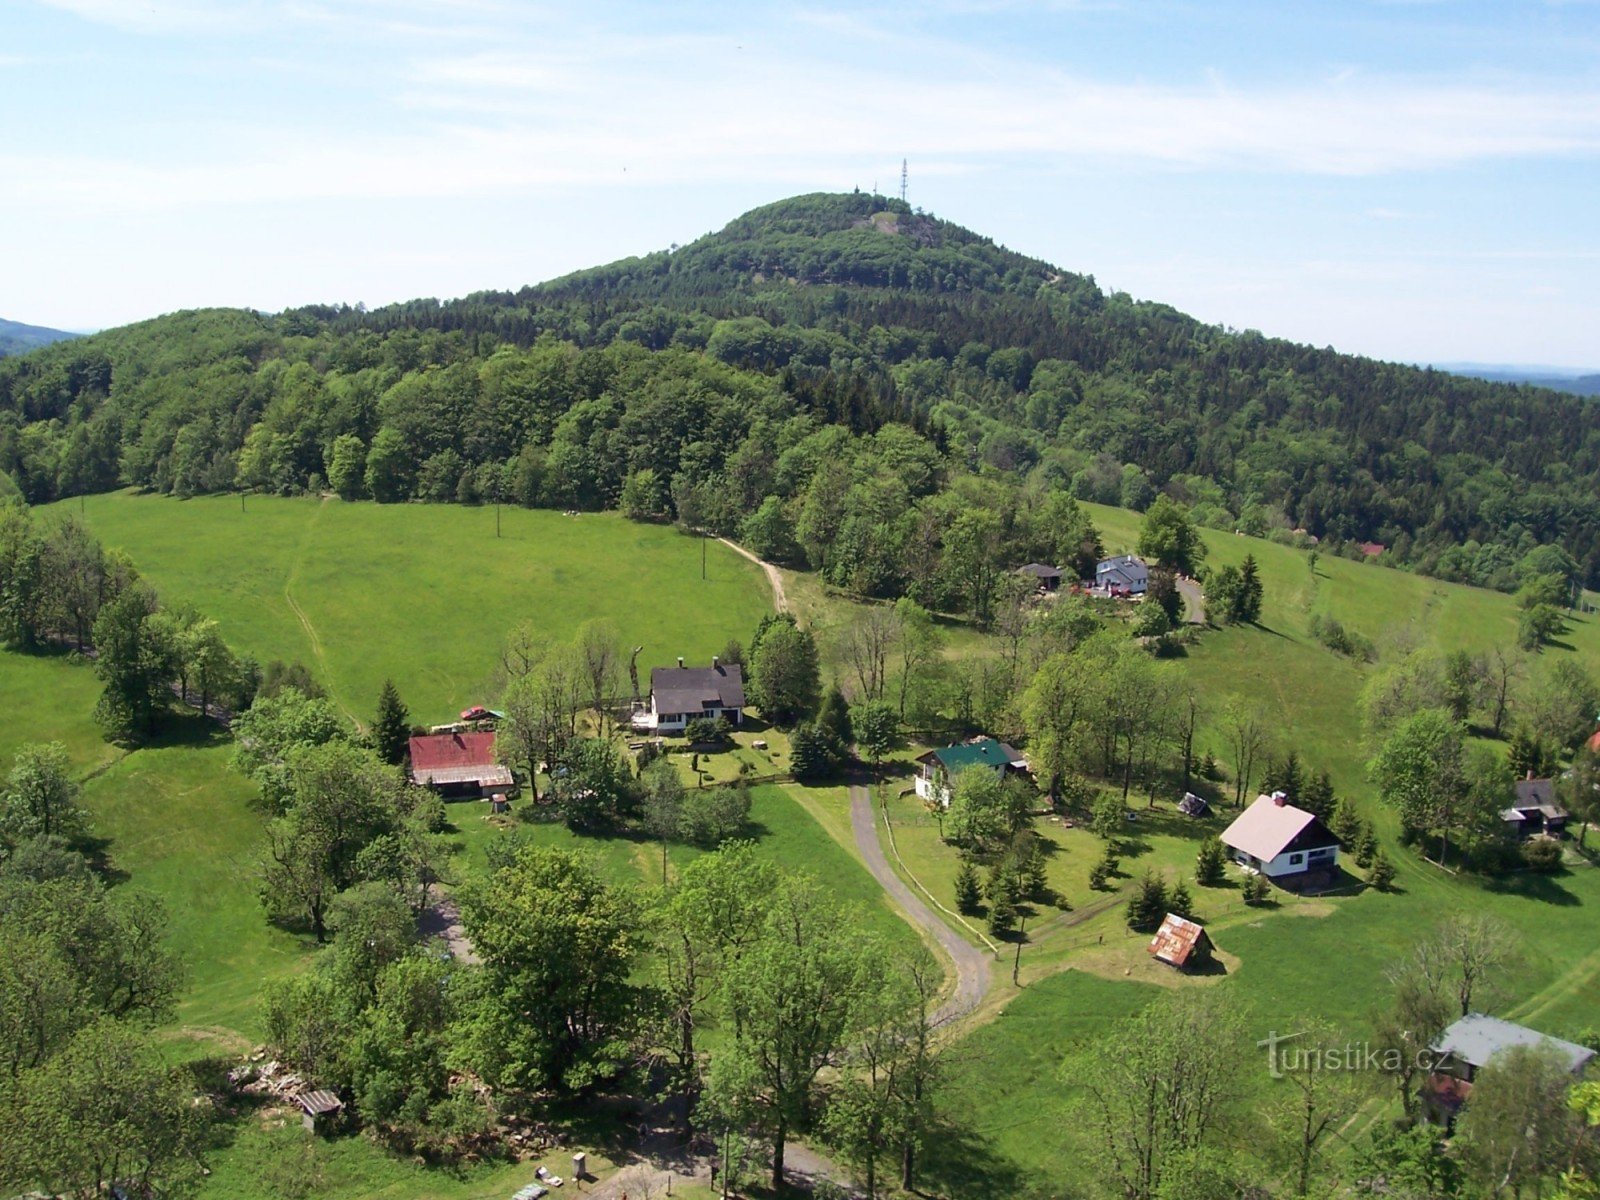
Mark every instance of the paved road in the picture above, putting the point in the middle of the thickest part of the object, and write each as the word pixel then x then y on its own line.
pixel 972 965
pixel 1194 600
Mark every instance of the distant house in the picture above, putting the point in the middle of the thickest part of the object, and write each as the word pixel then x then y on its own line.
pixel 1463 1049
pixel 458 766
pixel 1535 811
pixel 1181 943
pixel 682 694
pixel 1193 806
pixel 1371 549
pixel 1594 743
pixel 1278 840
pixel 1046 578
pixel 1124 575
pixel 938 767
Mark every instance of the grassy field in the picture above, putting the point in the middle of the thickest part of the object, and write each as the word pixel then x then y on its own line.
pixel 425 594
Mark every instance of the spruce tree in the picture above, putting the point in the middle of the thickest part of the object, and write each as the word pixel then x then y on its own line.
pixel 1148 904
pixel 1211 863
pixel 1382 876
pixel 969 894
pixel 1249 601
pixel 1179 901
pixel 1002 916
pixel 391 729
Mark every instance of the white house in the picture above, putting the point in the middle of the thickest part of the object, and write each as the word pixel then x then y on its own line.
pixel 938 767
pixel 682 694
pixel 1126 574
pixel 1278 840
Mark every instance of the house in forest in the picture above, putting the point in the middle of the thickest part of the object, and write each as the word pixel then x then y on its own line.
pixel 1124 575
pixel 1181 943
pixel 1286 844
pixel 1045 578
pixel 937 768
pixel 1535 811
pixel 459 766
pixel 1467 1045
pixel 682 694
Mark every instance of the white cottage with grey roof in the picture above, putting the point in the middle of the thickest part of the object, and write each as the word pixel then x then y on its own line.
pixel 682 694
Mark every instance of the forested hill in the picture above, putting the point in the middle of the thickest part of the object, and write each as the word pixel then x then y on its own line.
pixel 17 338
pixel 783 358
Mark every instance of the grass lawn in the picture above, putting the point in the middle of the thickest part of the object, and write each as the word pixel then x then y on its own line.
pixel 49 697
pixel 425 594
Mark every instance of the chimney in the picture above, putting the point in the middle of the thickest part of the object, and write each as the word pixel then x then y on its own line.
pixel 1530 773
pixel 680 662
pixel 1280 799
pixel 716 663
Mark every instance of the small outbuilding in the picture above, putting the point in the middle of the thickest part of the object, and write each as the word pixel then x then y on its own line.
pixel 1045 577
pixel 1181 943
pixel 318 1109
pixel 1193 806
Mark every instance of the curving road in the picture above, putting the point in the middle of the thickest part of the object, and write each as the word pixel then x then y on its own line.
pixel 972 965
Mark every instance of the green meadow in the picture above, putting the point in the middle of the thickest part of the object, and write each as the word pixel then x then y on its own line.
pixel 425 594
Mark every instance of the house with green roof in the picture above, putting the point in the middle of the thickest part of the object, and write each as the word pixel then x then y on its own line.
pixel 937 768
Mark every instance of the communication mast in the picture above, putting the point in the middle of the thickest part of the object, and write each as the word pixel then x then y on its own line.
pixel 902 180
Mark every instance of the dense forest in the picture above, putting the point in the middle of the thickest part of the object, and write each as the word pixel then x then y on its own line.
pixel 854 373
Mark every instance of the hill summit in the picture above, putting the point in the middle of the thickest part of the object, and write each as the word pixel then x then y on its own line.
pixel 17 338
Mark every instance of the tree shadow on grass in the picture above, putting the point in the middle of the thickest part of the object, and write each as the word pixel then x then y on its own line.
pixel 1533 885
pixel 961 1162
pixel 182 729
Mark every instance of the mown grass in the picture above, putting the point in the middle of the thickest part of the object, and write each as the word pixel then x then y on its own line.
pixel 426 594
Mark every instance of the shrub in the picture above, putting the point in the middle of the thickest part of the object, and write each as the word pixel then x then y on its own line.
pixel 1382 876
pixel 1257 889
pixel 708 731
pixel 1542 854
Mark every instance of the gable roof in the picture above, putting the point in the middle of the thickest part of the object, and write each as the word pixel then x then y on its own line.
pixel 1532 793
pixel 695 689
pixel 1477 1038
pixel 985 752
pixel 1193 806
pixel 1039 571
pixel 1177 939
pixel 1265 829
pixel 447 758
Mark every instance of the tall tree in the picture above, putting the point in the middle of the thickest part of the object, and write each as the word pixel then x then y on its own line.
pixel 39 797
pixel 1168 536
pixel 391 728
pixel 135 659
pixel 784 677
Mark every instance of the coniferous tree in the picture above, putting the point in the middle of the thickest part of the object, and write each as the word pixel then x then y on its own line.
pixel 391 729
pixel 969 892
pixel 1148 904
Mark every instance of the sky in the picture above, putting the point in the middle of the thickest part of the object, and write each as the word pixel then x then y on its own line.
pixel 1412 180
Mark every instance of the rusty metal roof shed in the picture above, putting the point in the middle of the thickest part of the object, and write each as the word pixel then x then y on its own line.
pixel 1178 939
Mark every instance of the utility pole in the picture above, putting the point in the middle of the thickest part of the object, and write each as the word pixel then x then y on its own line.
pixel 1016 963
pixel 702 554
pixel 903 174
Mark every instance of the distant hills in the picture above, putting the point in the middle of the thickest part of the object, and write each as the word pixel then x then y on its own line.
pixel 1579 383
pixel 856 373
pixel 17 338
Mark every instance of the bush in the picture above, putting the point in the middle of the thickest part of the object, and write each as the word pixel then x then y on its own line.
pixel 1257 889
pixel 1542 854
pixel 1382 876
pixel 708 731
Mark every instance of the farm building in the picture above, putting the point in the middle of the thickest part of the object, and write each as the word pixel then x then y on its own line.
pixel 1463 1049
pixel 682 694
pixel 1282 842
pixel 1535 810
pixel 1046 578
pixel 938 767
pixel 1124 575
pixel 318 1109
pixel 1181 943
pixel 459 766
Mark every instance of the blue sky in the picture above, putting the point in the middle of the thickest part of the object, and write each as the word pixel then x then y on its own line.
pixel 1411 180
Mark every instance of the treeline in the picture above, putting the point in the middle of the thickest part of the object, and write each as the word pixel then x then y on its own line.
pixel 838 314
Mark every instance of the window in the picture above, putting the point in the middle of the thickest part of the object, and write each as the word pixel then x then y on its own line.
pixel 1296 859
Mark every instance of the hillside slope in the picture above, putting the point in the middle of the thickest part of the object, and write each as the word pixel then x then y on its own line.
pixel 845 310
pixel 17 338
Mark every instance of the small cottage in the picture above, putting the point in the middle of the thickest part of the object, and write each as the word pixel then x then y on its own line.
pixel 1124 575
pixel 1463 1049
pixel 682 694
pixel 459 766
pixel 1274 838
pixel 1045 578
pixel 937 768
pixel 1535 811
pixel 1181 943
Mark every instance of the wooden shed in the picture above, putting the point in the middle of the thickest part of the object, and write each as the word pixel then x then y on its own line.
pixel 319 1109
pixel 1181 943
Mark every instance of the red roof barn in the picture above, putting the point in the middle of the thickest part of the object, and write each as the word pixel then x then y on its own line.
pixel 458 764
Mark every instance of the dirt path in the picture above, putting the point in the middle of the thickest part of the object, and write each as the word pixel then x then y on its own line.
pixel 972 965
pixel 775 577
pixel 442 919
pixel 305 621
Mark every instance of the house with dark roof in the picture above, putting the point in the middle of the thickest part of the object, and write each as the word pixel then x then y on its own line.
pixel 937 768
pixel 1181 943
pixel 1469 1044
pixel 1046 578
pixel 1124 575
pixel 682 694
pixel 459 766
pixel 1535 811
pixel 1274 838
